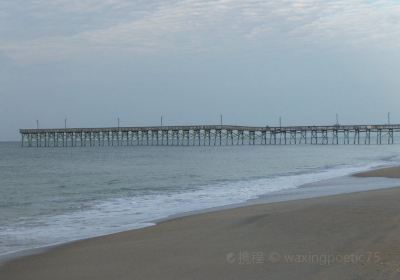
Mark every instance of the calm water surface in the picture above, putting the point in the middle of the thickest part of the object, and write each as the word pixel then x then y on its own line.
pixel 49 196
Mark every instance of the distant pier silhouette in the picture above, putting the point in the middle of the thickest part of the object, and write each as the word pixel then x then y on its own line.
pixel 209 135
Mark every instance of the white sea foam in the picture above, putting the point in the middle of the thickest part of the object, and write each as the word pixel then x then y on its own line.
pixel 118 214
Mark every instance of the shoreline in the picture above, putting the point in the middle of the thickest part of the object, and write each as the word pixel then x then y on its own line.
pixel 251 213
pixel 209 245
pixel 300 193
pixel 119 212
pixel 387 172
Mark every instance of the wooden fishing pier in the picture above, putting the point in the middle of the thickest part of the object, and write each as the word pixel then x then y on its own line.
pixel 209 135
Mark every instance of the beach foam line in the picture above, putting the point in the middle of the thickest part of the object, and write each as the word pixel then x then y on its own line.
pixel 120 214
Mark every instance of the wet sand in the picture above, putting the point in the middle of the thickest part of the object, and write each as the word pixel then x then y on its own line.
pixel 350 236
pixel 391 172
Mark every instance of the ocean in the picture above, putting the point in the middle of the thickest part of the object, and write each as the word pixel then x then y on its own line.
pixel 55 195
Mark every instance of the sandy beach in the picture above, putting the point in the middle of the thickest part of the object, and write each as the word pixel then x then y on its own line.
pixel 350 236
pixel 391 172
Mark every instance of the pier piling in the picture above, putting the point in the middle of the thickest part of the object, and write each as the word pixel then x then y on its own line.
pixel 209 135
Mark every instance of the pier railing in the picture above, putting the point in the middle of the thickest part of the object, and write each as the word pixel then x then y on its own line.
pixel 209 135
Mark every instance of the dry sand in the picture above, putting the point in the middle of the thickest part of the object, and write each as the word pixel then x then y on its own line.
pixel 351 236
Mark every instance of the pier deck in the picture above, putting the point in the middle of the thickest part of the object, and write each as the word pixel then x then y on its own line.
pixel 207 135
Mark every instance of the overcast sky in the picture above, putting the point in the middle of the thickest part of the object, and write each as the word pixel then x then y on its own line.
pixel 190 61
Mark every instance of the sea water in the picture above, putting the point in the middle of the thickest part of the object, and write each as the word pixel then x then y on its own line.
pixel 55 195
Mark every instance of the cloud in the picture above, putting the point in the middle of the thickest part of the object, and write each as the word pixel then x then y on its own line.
pixel 82 6
pixel 142 27
pixel 360 24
